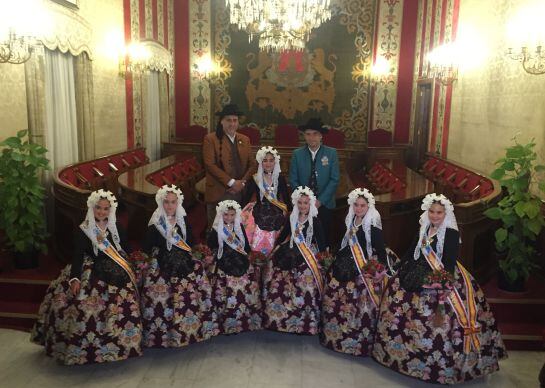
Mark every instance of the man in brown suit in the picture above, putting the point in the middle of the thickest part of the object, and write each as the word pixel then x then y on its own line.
pixel 228 161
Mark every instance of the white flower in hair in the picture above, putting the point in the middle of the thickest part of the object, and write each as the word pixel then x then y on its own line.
pixel 165 189
pixel 263 151
pixel 302 190
pixel 432 198
pixel 226 205
pixel 356 193
pixel 97 195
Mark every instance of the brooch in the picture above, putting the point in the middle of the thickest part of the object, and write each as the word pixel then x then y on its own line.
pixel 325 161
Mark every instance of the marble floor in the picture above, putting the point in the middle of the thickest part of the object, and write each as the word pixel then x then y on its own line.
pixel 257 360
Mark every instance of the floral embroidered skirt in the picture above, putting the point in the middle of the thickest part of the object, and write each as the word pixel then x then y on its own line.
pixel 101 324
pixel 260 240
pixel 411 340
pixel 291 300
pixel 237 300
pixel 177 311
pixel 348 317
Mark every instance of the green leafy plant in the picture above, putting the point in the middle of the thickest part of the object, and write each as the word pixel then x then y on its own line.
pixel 21 207
pixel 519 210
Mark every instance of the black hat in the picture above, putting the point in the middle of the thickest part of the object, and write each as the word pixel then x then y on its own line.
pixel 314 123
pixel 229 110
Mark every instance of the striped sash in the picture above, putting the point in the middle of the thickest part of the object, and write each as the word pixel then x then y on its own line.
pixel 466 311
pixel 359 258
pixel 175 239
pixel 108 249
pixel 310 259
pixel 233 241
pixel 279 204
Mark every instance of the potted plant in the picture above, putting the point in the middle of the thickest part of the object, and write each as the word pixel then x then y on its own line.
pixel 21 207
pixel 519 212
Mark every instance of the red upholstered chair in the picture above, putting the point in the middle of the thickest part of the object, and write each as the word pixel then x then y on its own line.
pixel 253 133
pixel 334 138
pixel 193 134
pixel 286 135
pixel 379 138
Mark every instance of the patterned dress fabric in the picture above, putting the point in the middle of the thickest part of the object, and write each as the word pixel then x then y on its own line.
pixel 292 301
pixel 349 315
pixel 236 290
pixel 102 323
pixel 177 306
pixel 416 339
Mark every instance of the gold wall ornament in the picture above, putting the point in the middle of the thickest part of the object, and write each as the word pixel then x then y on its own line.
pixel 533 61
pixel 526 37
pixel 279 25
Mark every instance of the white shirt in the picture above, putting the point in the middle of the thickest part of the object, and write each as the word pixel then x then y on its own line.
pixel 313 153
pixel 231 138
pixel 232 181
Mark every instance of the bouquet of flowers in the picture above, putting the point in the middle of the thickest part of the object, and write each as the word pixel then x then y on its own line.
pixel 140 261
pixel 202 253
pixel 441 281
pixel 325 258
pixel 375 270
pixel 258 258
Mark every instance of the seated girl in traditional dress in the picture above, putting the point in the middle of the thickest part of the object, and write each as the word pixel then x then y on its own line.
pixel 352 296
pixel 91 312
pixel 236 293
pixel 267 210
pixel 177 307
pixel 293 283
pixel 431 325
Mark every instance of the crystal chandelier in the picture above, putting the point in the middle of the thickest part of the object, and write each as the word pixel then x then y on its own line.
pixel 280 25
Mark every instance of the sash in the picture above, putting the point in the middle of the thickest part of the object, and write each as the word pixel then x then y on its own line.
pixel 359 258
pixel 175 238
pixel 279 204
pixel 310 259
pixel 109 250
pixel 233 241
pixel 466 311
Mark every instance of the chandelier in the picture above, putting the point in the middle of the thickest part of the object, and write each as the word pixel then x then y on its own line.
pixel 280 25
pixel 443 63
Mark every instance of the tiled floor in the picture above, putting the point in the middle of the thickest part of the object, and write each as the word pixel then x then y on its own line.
pixel 257 360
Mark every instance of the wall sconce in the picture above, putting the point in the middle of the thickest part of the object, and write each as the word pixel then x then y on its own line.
pixel 16 49
pixel 206 70
pixel 380 71
pixel 22 24
pixel 443 64
pixel 145 56
pixel 533 61
pixel 526 37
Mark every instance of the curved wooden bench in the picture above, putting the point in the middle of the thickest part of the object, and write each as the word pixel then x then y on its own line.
pixel 72 185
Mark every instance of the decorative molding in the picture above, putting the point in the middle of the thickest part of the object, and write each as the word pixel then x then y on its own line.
pixel 200 47
pixel 70 33
pixel 388 45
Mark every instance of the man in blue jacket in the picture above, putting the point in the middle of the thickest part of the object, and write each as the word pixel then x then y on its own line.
pixel 316 166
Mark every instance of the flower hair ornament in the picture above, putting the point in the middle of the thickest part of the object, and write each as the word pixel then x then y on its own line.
pixel 263 151
pixel 448 222
pixel 88 226
pixel 218 225
pixel 294 216
pixel 371 218
pixel 159 217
